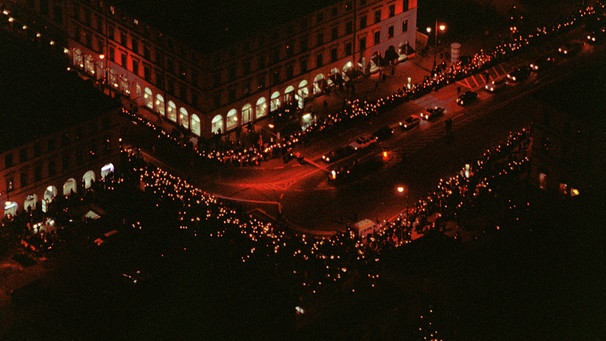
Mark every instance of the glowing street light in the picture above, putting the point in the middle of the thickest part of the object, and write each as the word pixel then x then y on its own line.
pixel 438 28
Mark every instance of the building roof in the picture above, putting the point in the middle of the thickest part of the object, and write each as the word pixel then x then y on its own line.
pixel 38 96
pixel 207 25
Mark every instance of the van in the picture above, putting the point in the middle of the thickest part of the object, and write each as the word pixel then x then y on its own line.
pixel 364 227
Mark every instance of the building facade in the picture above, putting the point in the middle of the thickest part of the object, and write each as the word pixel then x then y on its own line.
pixel 64 162
pixel 207 92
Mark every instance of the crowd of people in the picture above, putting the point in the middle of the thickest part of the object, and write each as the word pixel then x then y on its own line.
pixel 343 260
pixel 316 265
pixel 442 75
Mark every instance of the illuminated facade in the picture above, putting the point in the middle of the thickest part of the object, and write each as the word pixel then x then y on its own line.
pixel 214 90
pixel 54 140
pixel 63 162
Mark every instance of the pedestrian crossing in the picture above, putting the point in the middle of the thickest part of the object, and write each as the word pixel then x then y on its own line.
pixel 480 79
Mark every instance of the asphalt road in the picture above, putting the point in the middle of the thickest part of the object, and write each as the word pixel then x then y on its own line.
pixel 417 158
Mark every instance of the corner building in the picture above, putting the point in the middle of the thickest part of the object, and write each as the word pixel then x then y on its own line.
pixel 210 68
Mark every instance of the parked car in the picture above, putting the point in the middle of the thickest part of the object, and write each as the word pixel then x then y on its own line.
pixel 338 153
pixel 541 63
pixel 596 36
pixel 432 113
pixel 383 133
pixel 410 122
pixel 570 49
pixel 363 142
pixel 519 74
pixel 466 98
pixel 496 85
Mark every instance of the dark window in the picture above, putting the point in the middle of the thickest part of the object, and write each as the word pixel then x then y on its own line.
pixel 65 161
pixel 182 92
pixel 23 155
pixel 362 44
pixel 231 72
pixel 135 67
pixel 10 184
pixel 246 87
pixel 275 55
pixel 146 51
pixel 348 49
pixel 79 155
pixel 392 10
pixel 135 44
pixel 170 85
pixel 377 37
pixel 37 173
pixel 405 26
pixel 319 60
pixel 303 65
pixel 377 16
pixel 334 11
pixel 246 66
pixel 363 22
pixel 170 65
pixel 289 49
pixel 217 100
pixel 8 160
pixel 320 17
pixel 122 59
pixel 37 149
pixel 275 77
pixel 333 54
pixel 194 75
pixel 24 178
pixel 335 33
pixel 232 94
pixel 147 72
pixel 320 39
pixel 348 27
pixel 390 32
pixel 405 5
pixel 52 168
pixel 58 14
pixel 304 43
pixel 289 71
pixel 261 81
pixel 122 37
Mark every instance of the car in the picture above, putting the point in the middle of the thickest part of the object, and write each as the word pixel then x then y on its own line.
pixel 519 74
pixel 363 142
pixel 495 85
pixel 570 49
pixel 383 133
pixel 597 35
pixel 337 154
pixel 541 63
pixel 466 98
pixel 410 122
pixel 432 113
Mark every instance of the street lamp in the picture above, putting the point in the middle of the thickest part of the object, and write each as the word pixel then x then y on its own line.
pixel 439 27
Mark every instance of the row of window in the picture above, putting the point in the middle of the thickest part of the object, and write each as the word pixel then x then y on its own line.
pixel 51 144
pixel 32 174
